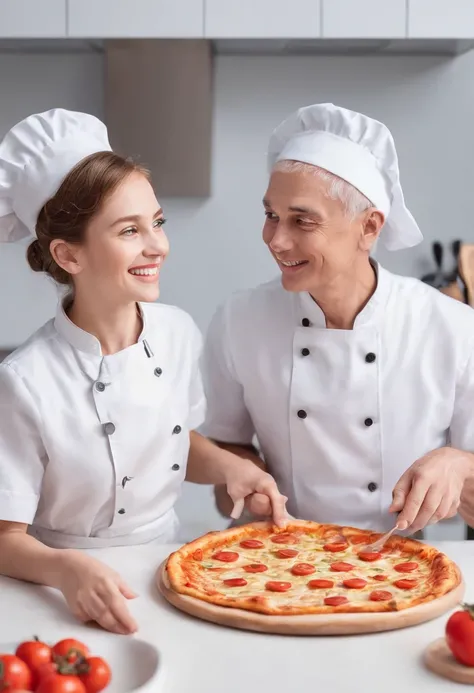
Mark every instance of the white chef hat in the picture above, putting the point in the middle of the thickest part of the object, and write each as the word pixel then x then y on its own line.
pixel 353 147
pixel 35 157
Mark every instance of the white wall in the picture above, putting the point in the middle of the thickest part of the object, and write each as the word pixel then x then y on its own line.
pixel 428 102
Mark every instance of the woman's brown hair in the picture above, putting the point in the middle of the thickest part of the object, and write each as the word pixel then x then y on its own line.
pixel 67 215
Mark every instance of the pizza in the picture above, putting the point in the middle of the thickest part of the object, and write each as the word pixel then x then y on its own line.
pixel 309 568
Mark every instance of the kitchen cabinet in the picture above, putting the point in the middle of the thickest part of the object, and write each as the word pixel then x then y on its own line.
pixel 450 19
pixel 364 18
pixel 32 18
pixel 135 18
pixel 262 19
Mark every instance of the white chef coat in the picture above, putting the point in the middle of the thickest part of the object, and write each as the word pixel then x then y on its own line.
pixel 94 448
pixel 340 414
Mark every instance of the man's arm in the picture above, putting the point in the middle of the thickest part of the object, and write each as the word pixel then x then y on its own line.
pixel 441 483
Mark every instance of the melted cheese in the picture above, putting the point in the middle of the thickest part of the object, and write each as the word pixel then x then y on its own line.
pixel 310 550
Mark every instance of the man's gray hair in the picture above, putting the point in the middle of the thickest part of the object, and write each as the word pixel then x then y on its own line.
pixel 353 200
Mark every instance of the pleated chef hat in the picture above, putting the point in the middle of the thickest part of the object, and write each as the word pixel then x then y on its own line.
pixel 35 157
pixel 356 148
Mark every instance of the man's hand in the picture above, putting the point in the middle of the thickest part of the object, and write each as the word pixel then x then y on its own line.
pixel 248 485
pixel 430 490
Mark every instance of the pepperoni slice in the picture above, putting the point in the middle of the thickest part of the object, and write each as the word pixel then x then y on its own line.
pixel 277 586
pixel 335 546
pixel 198 555
pixel 235 582
pixel 370 556
pixel 360 539
pixel 226 556
pixel 380 596
pixel 255 568
pixel 284 539
pixel 286 553
pixel 406 567
pixel 355 583
pixel 341 567
pixel 380 578
pixel 303 569
pixel 320 584
pixel 335 601
pixel 252 544
pixel 405 584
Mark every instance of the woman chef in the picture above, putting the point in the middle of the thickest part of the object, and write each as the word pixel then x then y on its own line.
pixel 98 408
pixel 359 384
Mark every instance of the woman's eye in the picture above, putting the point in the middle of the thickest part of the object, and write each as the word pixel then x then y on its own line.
pixel 270 216
pixel 130 231
pixel 158 223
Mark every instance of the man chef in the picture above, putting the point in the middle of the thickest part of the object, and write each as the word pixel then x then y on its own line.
pixel 357 384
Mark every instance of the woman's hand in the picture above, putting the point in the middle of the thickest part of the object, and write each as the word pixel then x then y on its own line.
pixel 249 486
pixel 95 592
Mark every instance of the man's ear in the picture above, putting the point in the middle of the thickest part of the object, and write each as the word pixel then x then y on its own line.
pixel 372 224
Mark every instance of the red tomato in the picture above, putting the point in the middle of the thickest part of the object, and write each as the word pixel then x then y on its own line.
pixel 355 583
pixel 235 582
pixel 335 601
pixel 320 584
pixel 277 586
pixel 284 539
pixel 370 556
pixel 14 673
pixel 46 670
pixel 303 569
pixel 380 578
pixel 255 568
pixel 70 649
pixel 287 553
pixel 226 556
pixel 341 567
pixel 60 683
pixel 335 546
pixel 98 675
pixel 460 635
pixel 35 654
pixel 251 544
pixel 380 596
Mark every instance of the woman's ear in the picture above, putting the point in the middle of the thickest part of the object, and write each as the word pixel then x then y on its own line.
pixel 65 256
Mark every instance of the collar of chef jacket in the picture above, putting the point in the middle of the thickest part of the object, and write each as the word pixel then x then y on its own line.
pixel 372 311
pixel 79 338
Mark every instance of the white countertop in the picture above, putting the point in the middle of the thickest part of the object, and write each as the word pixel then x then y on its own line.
pixel 202 658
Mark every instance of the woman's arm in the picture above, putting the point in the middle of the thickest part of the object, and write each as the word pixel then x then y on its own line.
pixel 240 476
pixel 223 500
pixel 93 591
pixel 25 558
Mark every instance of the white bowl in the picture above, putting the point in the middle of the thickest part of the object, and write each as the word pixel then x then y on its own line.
pixel 136 665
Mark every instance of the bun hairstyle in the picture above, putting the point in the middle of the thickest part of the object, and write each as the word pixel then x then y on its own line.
pixel 67 215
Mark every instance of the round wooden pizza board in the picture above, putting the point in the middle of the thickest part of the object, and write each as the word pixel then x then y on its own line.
pixel 439 660
pixel 317 624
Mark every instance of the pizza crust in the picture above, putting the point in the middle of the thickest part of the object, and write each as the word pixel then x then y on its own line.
pixel 443 578
pixel 322 624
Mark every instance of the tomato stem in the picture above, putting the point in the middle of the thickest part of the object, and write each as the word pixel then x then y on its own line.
pixel 469 608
